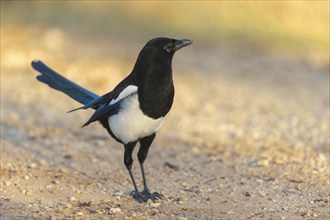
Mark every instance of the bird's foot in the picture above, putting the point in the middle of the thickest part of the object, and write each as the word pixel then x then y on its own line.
pixel 149 195
pixel 138 196
pixel 145 195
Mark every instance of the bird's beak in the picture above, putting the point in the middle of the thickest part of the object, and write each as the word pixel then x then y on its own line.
pixel 181 43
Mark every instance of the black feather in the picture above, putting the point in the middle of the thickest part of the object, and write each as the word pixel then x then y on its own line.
pixel 58 82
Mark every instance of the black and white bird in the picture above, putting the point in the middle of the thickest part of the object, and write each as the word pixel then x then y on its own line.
pixel 136 108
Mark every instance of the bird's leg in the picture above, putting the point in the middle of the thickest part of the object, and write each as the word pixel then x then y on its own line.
pixel 142 155
pixel 128 163
pixel 145 187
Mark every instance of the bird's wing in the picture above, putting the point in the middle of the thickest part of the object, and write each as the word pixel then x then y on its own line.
pixel 95 103
pixel 105 110
pixel 58 82
pixel 112 106
pixel 123 89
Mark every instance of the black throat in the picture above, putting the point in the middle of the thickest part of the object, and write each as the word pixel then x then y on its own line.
pixel 155 87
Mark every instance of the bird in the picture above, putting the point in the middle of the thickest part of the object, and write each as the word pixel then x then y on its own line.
pixel 135 109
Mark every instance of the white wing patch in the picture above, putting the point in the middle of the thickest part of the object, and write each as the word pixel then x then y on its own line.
pixel 130 124
pixel 126 92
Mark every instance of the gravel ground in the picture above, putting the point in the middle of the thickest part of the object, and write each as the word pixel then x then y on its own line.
pixel 247 138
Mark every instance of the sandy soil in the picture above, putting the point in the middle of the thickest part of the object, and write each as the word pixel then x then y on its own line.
pixel 247 138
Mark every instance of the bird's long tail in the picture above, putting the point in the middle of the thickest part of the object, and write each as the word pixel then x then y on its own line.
pixel 58 82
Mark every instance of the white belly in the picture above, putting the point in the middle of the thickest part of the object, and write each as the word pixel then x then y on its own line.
pixel 130 124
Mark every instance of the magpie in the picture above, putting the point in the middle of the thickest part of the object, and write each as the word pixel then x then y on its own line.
pixel 136 108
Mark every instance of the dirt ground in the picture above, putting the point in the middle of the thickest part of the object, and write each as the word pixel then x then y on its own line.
pixel 247 137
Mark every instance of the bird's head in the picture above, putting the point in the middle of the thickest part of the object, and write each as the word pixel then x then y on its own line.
pixel 157 54
pixel 162 49
pixel 167 45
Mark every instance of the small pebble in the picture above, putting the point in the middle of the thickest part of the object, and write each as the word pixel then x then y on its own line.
pixel 263 163
pixel 56 182
pixel 155 205
pixel 118 193
pixel 99 211
pixel 262 193
pixel 182 218
pixel 72 199
pixel 80 213
pixel 32 165
pixel 114 211
pixel 259 181
pixel 63 170
pixel 7 183
pixel 26 177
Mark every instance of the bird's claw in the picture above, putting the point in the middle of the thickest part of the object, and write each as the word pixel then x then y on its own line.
pixel 145 195
pixel 138 196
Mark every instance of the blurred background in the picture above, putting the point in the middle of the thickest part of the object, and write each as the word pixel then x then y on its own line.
pixel 253 88
pixel 256 70
pixel 247 57
pixel 299 28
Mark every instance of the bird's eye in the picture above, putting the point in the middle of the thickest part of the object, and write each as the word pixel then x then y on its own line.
pixel 168 47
